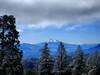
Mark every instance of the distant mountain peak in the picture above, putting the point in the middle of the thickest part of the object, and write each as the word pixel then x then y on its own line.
pixel 52 40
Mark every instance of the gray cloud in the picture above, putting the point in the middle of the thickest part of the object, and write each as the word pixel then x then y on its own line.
pixel 51 11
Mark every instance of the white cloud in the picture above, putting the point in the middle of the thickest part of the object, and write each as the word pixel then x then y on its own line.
pixel 75 27
pixel 44 13
pixel 19 30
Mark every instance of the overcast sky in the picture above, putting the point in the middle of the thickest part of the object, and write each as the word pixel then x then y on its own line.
pixel 55 19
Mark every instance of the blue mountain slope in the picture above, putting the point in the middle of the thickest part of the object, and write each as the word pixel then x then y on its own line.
pixel 33 50
pixel 30 50
pixel 92 49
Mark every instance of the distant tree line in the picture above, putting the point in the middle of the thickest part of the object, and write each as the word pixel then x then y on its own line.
pixel 11 56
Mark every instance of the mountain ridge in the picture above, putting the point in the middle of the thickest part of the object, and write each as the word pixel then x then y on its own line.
pixel 34 50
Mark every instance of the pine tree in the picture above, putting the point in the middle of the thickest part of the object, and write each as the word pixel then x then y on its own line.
pixel 1 45
pixel 61 61
pixel 98 65
pixel 45 65
pixel 9 46
pixel 93 62
pixel 78 62
pixel 93 59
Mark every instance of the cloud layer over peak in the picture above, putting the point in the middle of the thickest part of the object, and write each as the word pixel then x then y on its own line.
pixel 59 12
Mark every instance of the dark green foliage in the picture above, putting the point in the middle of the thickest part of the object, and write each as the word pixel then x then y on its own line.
pixel 10 54
pixel 93 63
pixel 61 61
pixel 78 62
pixel 31 72
pixel 94 59
pixel 45 65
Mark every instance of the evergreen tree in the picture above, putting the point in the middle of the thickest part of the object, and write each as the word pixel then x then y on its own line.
pixel 45 65
pixel 93 59
pixel 9 46
pixel 98 65
pixel 61 61
pixel 93 62
pixel 78 62
pixel 1 45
